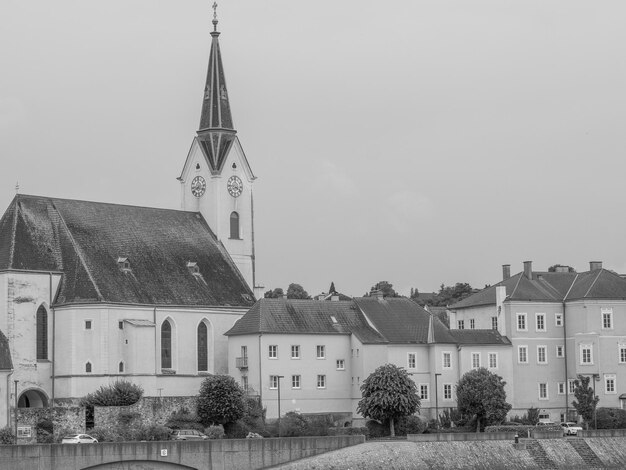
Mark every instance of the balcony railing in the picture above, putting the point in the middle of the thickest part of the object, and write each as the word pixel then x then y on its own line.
pixel 242 362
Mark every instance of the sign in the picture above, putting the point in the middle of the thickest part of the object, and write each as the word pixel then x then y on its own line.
pixel 24 431
pixel 163 452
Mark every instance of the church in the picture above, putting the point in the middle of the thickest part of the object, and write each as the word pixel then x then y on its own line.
pixel 91 292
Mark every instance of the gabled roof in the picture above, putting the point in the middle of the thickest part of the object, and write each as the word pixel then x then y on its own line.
pixel 552 287
pixel 84 240
pixel 479 337
pixel 295 316
pixel 5 353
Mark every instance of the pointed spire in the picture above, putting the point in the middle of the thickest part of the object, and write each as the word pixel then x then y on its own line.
pixel 216 133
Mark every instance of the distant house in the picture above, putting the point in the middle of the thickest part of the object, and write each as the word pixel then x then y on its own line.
pixel 319 352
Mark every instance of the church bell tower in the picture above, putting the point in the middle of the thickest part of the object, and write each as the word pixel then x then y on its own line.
pixel 217 179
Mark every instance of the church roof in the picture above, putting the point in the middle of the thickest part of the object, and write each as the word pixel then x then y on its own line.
pixel 5 353
pixel 90 242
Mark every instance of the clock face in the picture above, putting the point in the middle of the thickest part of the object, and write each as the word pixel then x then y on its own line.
pixel 198 186
pixel 235 186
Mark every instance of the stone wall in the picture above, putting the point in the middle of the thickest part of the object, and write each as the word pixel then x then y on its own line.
pixel 151 409
pixel 66 419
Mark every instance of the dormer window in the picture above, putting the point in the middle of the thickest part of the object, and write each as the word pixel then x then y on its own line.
pixel 247 297
pixel 123 264
pixel 193 268
pixel 333 319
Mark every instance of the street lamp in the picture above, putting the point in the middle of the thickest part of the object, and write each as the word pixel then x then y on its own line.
pixel 436 402
pixel 16 381
pixel 279 377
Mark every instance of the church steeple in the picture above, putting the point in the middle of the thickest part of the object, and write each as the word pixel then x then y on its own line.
pixel 216 132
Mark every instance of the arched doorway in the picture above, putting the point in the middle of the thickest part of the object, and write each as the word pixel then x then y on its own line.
pixel 32 399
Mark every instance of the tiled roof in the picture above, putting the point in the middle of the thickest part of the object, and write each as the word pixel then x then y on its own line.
pixel 85 239
pixel 401 320
pixel 5 353
pixel 552 287
pixel 479 337
pixel 294 316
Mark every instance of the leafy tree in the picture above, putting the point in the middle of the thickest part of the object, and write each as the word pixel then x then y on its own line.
pixel 120 393
pixel 586 400
pixel 386 288
pixel 388 394
pixel 296 291
pixel 481 394
pixel 274 294
pixel 221 400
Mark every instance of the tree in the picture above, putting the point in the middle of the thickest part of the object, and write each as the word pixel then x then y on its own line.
pixel 481 394
pixel 586 400
pixel 386 288
pixel 221 400
pixel 388 394
pixel 296 291
pixel 120 393
pixel 552 269
pixel 274 294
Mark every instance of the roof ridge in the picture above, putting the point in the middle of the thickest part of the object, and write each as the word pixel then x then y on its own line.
pixel 519 279
pixel 593 283
pixel 570 287
pixel 78 252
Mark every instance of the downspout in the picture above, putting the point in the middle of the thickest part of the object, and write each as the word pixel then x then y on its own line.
pixel 53 337
pixel 260 373
pixel 155 341
pixel 565 349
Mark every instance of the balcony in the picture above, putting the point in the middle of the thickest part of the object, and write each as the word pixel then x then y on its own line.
pixel 242 362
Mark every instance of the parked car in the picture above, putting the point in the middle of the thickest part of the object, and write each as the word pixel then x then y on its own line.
pixel 188 435
pixel 546 423
pixel 79 439
pixel 570 429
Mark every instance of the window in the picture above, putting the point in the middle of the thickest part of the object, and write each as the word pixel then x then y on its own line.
pixel 609 383
pixel 541 355
pixel 607 318
pixel 522 354
pixel 193 268
pixel 543 391
pixel 447 360
pixel 120 325
pixel 42 333
pixel 120 367
pixel 244 351
pixel 321 352
pixel 295 351
pixel 586 356
pixel 493 360
pixel 494 323
pixel 203 347
pixel 411 360
pixel 273 382
pixel 244 383
pixel 540 319
pixel 475 360
pixel 560 387
pixel 321 381
pixel 166 345
pixel 472 323
pixel 521 322
pixel 622 353
pixel 447 391
pixel 88 324
pixel 88 367
pixel 558 319
pixel 424 391
pixel 272 351
pixel 295 381
pixel 461 324
pixel 570 386
pixel 341 364
pixel 560 351
pixel 234 225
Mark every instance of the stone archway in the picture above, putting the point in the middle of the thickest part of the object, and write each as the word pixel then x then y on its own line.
pixel 32 399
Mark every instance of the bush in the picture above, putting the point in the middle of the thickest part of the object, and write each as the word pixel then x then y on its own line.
pixel 215 432
pixel 520 429
pixel 106 433
pixel 149 432
pixel 377 429
pixel 7 436
pixel 254 416
pixel 221 400
pixel 611 418
pixel 445 419
pixel 349 431
pixel 293 424
pixel 236 430
pixel 184 419
pixel 44 430
pixel 410 425
pixel 121 393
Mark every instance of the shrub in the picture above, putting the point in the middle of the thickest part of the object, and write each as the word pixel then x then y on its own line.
pixel 377 429
pixel 107 433
pixel 445 419
pixel 7 436
pixel 215 432
pixel 44 430
pixel 318 425
pixel 221 400
pixel 293 424
pixel 349 431
pixel 611 418
pixel 121 393
pixel 149 432
pixel 236 430
pixel 254 416
pixel 410 425
pixel 458 418
pixel 184 419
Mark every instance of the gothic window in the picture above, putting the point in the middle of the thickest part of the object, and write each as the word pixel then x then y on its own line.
pixel 234 225
pixel 121 367
pixel 203 360
pixel 88 367
pixel 42 333
pixel 166 345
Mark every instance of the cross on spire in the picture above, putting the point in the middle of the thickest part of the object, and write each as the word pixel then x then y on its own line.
pixel 214 6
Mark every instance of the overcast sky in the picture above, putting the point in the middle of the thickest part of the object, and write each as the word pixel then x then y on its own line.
pixel 419 142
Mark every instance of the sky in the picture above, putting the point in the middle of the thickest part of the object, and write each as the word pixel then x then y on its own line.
pixel 417 142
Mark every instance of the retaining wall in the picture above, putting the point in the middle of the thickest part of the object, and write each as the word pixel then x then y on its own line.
pixel 462 436
pixel 602 433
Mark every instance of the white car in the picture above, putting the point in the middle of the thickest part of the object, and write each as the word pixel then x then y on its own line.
pixel 79 439
pixel 570 429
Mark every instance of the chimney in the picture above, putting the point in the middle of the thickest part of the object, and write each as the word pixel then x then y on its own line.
pixel 528 269
pixel 594 265
pixel 506 271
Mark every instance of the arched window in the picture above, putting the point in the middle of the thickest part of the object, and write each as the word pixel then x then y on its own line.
pixel 234 225
pixel 121 367
pixel 166 345
pixel 42 333
pixel 203 357
pixel 88 367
